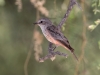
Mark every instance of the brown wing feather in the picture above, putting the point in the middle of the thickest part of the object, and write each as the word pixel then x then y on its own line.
pixel 57 35
pixel 67 46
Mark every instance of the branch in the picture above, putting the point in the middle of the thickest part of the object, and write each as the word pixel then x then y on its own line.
pixel 52 54
pixel 71 4
pixel 51 49
pixel 83 37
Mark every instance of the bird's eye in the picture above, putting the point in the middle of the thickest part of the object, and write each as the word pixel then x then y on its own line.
pixel 41 21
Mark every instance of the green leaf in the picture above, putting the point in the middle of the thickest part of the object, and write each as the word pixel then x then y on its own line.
pixel 99 44
pixel 99 3
pixel 91 27
pixel 94 4
pixel 97 22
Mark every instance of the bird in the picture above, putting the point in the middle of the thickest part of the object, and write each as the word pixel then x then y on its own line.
pixel 54 35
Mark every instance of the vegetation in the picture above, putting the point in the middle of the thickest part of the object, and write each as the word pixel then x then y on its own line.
pixel 22 43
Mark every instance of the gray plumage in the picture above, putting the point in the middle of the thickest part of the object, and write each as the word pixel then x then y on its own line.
pixel 54 35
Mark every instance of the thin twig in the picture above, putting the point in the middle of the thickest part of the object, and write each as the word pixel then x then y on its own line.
pixel 71 4
pixel 52 55
pixel 27 60
pixel 84 39
pixel 30 50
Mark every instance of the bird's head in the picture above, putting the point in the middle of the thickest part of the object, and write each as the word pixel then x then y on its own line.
pixel 43 22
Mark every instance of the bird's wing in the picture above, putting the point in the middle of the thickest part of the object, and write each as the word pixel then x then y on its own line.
pixel 57 35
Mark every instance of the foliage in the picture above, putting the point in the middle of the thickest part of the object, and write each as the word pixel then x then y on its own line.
pixel 22 43
pixel 96 6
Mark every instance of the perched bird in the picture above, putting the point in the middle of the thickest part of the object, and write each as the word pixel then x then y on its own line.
pixel 54 35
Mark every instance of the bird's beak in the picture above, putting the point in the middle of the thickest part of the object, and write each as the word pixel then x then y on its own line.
pixel 35 23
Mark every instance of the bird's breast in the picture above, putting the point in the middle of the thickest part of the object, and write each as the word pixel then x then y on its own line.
pixel 48 36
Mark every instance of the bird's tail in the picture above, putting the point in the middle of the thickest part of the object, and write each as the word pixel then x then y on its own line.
pixel 75 56
pixel 68 47
pixel 72 51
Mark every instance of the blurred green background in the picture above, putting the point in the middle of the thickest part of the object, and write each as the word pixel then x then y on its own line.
pixel 22 43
